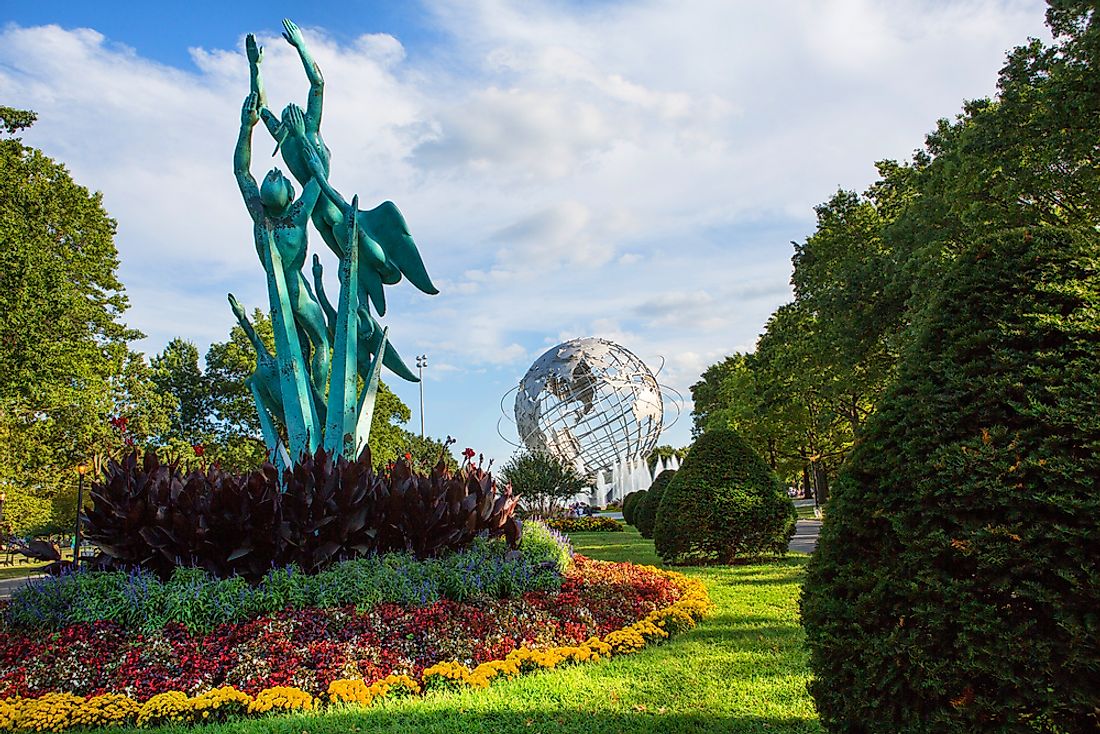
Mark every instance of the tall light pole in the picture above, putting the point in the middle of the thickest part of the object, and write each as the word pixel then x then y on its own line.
pixel 81 470
pixel 421 363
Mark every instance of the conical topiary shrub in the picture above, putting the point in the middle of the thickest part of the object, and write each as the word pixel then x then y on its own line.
pixel 723 503
pixel 956 584
pixel 645 512
pixel 629 503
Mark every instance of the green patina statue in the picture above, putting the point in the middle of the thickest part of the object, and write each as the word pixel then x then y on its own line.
pixel 308 393
pixel 386 251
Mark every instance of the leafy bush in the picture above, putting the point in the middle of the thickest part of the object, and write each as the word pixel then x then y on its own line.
pixel 645 512
pixel 723 503
pixel 157 516
pixel 956 583
pixel 190 596
pixel 586 525
pixel 630 502
pixel 543 481
pixel 542 544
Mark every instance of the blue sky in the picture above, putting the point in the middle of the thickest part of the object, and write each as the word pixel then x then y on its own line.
pixel 634 171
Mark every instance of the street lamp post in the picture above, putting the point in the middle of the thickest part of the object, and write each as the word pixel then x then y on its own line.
pixel 421 363
pixel 81 470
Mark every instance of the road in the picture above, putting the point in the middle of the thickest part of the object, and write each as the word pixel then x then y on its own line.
pixel 7 586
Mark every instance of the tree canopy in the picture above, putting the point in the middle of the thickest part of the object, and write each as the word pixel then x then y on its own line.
pixel 866 275
pixel 66 366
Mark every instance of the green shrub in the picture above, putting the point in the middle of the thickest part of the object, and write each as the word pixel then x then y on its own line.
pixel 586 525
pixel 723 503
pixel 956 584
pixel 543 545
pixel 630 503
pixel 645 512
pixel 192 597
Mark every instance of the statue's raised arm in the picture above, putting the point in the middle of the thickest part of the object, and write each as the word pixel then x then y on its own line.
pixel 255 54
pixel 293 36
pixel 384 240
pixel 296 120
pixel 242 157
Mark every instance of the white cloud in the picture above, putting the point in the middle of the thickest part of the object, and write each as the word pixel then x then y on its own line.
pixel 626 169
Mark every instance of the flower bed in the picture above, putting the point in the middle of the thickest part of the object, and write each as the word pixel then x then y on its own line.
pixel 101 673
pixel 191 597
pixel 586 525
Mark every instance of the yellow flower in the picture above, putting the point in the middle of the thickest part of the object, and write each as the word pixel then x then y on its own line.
pixel 398 686
pixel 110 708
pixel 163 707
pixel 280 698
pixel 220 702
pixel 446 675
pixel 51 712
pixel 353 691
pixel 9 713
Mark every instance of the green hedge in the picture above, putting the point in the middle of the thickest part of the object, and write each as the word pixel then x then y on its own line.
pixel 630 503
pixel 956 583
pixel 724 503
pixel 586 525
pixel 645 512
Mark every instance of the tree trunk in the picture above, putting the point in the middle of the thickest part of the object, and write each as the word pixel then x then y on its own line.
pixel 821 483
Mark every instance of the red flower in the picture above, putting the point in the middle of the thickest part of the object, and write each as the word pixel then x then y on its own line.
pixel 408 456
pixel 199 449
pixel 312 647
pixel 468 453
pixel 119 423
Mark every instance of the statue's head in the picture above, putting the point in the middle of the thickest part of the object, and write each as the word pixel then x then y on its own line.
pixel 276 192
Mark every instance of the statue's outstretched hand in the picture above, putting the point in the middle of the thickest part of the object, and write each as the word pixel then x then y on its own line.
pixel 255 52
pixel 296 119
pixel 291 33
pixel 250 112
pixel 238 311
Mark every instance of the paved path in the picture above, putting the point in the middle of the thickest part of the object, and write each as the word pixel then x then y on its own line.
pixel 7 586
pixel 805 536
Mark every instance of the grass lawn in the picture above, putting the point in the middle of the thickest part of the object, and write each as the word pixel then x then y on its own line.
pixel 742 670
pixel 21 569
pixel 805 512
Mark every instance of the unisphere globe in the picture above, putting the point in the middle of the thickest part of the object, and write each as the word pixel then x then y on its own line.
pixel 591 403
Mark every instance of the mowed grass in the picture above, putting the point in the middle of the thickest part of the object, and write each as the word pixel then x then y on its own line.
pixel 741 670
pixel 806 512
pixel 19 570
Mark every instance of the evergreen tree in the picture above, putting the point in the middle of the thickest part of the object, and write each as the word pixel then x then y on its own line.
pixel 724 503
pixel 956 581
